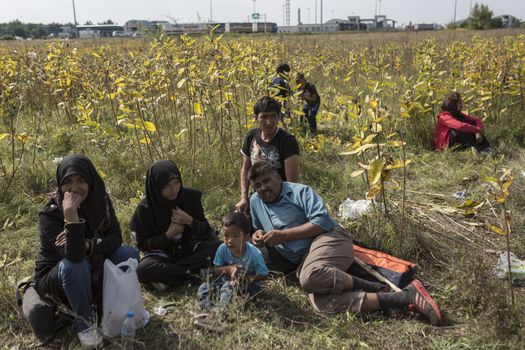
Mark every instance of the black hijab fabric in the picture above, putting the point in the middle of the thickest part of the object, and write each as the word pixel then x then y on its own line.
pixel 94 209
pixel 159 208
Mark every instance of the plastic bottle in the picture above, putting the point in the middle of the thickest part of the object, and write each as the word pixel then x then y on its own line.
pixel 127 332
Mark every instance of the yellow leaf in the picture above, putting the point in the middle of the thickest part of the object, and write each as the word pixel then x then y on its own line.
pixel 149 126
pixel 22 137
pixel 357 173
pixel 197 108
pixel 145 140
pixel 505 186
pixel 376 167
pixel 496 229
pixel 4 135
pixel 374 190
pixel 393 143
pixel 505 175
pixel 180 83
pixel 369 138
pixel 398 164
pixel 180 134
pixel 358 150
pixel 376 127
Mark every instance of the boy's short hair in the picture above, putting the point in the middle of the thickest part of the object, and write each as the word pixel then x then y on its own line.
pixel 267 104
pixel 283 67
pixel 261 168
pixel 237 219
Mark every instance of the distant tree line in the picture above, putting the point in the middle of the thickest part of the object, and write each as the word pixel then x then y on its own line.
pixel 34 30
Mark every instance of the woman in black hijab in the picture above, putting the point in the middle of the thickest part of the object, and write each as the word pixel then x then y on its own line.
pixel 171 229
pixel 78 230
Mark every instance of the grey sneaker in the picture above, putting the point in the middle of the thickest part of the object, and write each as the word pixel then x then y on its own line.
pixel 90 338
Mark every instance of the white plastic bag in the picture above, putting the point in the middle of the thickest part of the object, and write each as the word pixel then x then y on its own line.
pixel 121 293
pixel 351 209
pixel 517 267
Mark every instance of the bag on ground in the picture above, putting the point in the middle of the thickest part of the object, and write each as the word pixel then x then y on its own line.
pixel 398 271
pixel 121 293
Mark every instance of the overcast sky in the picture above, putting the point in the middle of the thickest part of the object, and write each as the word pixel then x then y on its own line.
pixel 403 11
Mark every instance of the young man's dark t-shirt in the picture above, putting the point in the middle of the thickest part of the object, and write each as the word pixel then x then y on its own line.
pixel 280 147
pixel 312 91
pixel 280 87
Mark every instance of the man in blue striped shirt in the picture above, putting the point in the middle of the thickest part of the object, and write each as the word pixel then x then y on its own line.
pixel 293 224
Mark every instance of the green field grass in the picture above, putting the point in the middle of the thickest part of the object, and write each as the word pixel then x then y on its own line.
pixel 96 97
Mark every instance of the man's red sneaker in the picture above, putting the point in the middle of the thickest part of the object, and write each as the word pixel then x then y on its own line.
pixel 422 302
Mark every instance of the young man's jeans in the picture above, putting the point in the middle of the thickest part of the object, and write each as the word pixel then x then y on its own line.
pixel 75 279
pixel 310 112
pixel 221 291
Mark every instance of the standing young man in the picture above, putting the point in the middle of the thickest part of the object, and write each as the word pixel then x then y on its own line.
pixel 270 143
pixel 280 88
pixel 311 100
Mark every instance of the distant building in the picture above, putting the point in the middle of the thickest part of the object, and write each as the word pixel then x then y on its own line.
pixel 98 30
pixel 508 21
pixel 427 26
pixel 337 25
pixel 67 32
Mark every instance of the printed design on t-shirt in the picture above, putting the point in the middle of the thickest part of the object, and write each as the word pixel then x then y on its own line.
pixel 269 153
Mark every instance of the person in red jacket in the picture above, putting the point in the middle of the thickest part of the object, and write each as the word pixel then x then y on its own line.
pixel 457 129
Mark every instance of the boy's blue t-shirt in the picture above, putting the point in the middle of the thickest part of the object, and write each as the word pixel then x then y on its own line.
pixel 252 261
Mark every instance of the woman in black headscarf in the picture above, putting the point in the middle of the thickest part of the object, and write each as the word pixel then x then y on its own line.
pixel 78 230
pixel 171 229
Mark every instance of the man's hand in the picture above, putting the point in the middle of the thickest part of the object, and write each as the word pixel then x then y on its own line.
pixel 179 216
pixel 274 237
pixel 258 238
pixel 242 206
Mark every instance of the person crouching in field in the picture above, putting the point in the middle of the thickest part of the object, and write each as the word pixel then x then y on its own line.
pixel 311 101
pixel 455 129
pixel 78 231
pixel 270 143
pixel 240 265
pixel 171 229
pixel 293 226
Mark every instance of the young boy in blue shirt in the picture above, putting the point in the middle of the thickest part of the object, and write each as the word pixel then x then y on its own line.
pixel 240 264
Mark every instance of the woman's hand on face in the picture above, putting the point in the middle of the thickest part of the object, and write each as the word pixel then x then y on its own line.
pixel 181 217
pixel 71 203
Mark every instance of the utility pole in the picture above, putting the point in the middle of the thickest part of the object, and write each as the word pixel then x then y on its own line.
pixel 315 12
pixel 211 12
pixel 283 16
pixel 309 16
pixel 321 15
pixel 287 5
pixel 455 10
pixel 75 18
